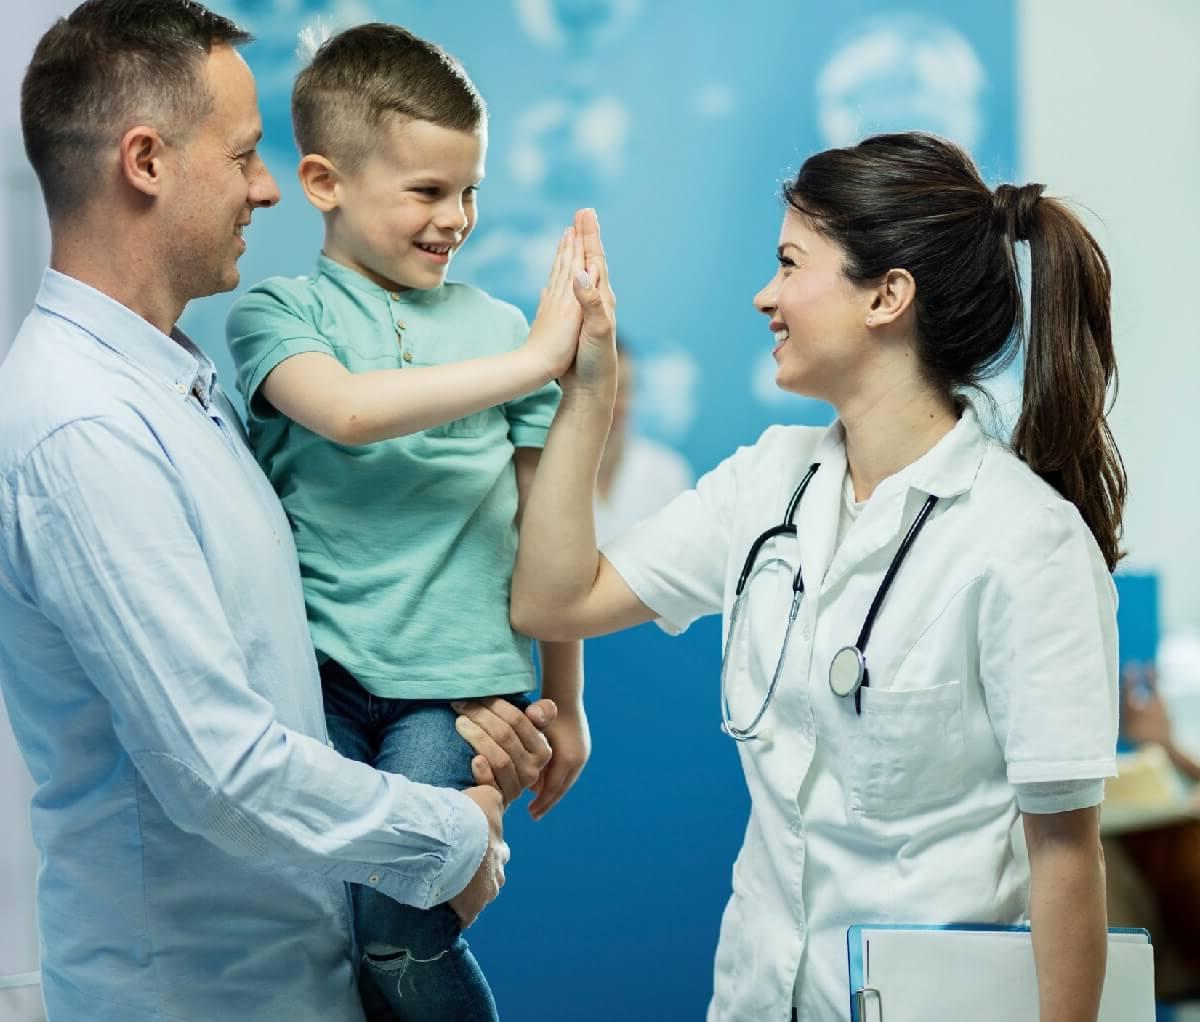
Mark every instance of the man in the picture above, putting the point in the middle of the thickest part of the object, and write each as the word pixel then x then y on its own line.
pixel 195 826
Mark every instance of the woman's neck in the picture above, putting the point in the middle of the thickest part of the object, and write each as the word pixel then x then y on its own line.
pixel 892 430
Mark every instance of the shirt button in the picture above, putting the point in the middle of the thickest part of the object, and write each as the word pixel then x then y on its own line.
pixel 394 296
pixel 401 326
pixel 408 356
pixel 373 879
pixel 181 387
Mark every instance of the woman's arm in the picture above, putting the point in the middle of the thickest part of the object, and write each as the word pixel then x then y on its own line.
pixel 562 587
pixel 1068 913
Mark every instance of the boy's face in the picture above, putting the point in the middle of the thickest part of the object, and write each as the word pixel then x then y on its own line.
pixel 411 205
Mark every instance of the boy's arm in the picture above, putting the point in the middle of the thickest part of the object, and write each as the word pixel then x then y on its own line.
pixel 319 393
pixel 315 390
pixel 562 681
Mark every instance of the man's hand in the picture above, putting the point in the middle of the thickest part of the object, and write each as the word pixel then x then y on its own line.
pixel 571 744
pixel 512 749
pixel 489 877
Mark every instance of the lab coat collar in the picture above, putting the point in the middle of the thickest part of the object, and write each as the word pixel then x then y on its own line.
pixel 946 470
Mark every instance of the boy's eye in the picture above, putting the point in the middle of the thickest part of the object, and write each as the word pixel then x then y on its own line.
pixel 431 193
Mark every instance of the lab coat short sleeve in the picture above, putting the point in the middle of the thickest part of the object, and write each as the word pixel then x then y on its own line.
pixel 1048 649
pixel 675 560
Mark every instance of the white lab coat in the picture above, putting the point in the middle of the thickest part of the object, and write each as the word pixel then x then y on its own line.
pixel 992 663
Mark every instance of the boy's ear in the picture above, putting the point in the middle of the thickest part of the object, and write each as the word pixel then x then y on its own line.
pixel 319 179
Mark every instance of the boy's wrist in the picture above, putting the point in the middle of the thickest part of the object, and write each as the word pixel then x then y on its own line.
pixel 536 364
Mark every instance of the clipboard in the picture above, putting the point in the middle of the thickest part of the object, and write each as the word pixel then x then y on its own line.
pixel 984 973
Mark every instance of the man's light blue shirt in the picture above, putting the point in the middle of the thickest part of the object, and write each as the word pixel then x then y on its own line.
pixel 194 825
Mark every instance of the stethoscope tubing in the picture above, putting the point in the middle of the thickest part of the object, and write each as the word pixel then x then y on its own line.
pixel 788 527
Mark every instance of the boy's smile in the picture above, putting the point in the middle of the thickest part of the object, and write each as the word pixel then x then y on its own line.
pixel 402 215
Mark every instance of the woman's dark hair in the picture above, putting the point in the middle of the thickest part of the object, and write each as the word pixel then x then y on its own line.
pixel 916 202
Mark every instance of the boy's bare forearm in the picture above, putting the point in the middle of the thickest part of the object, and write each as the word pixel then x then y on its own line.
pixel 397 402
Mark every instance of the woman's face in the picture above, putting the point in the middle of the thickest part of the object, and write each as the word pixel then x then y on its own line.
pixel 818 315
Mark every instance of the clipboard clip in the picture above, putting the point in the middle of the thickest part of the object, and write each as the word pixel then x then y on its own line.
pixel 862 998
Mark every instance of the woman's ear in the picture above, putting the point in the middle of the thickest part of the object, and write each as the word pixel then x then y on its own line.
pixel 891 298
pixel 320 180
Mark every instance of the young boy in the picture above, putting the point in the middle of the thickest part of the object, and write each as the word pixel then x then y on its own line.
pixel 400 418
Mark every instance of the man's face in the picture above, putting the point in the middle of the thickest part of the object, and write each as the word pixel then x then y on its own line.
pixel 218 181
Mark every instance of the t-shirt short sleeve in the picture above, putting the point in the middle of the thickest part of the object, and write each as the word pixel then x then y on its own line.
pixel 1048 649
pixel 271 322
pixel 529 416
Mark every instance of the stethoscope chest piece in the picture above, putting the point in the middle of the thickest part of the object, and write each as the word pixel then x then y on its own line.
pixel 847 670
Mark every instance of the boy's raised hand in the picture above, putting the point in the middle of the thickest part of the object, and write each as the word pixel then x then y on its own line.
pixel 554 336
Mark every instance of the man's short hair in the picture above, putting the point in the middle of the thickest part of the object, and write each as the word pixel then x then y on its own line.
pixel 361 77
pixel 107 66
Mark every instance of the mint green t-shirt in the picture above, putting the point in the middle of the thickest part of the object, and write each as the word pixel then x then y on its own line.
pixel 407 545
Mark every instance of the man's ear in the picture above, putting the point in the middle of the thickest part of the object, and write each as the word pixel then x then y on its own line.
pixel 141 159
pixel 320 180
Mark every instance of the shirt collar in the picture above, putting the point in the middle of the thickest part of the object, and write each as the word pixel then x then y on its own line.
pixel 172 359
pixel 352 279
pixel 946 470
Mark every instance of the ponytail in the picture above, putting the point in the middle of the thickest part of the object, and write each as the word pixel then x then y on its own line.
pixel 1062 433
pixel 916 201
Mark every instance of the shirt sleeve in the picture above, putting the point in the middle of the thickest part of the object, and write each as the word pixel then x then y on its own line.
pixel 112 557
pixel 265 326
pixel 529 416
pixel 1044 797
pixel 675 560
pixel 1048 650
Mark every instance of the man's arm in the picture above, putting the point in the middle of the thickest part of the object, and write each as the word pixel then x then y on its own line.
pixel 112 558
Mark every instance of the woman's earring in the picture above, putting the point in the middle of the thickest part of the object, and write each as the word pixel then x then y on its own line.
pixel 870 320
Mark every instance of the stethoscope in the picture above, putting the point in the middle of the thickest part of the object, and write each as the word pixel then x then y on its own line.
pixel 848 673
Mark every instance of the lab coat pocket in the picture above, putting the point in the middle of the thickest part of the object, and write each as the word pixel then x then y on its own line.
pixel 910 755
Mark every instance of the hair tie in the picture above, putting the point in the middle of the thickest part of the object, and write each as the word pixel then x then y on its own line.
pixel 1014 209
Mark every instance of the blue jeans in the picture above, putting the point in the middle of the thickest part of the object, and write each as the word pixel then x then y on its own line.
pixel 415 965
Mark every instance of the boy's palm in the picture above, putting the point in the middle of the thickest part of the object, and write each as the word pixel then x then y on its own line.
pixel 555 330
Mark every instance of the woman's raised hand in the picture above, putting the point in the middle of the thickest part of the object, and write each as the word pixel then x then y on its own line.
pixel 596 358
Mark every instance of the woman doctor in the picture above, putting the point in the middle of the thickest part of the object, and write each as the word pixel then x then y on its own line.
pixel 989 688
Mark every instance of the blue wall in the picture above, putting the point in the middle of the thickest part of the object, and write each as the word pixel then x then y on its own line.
pixel 677 121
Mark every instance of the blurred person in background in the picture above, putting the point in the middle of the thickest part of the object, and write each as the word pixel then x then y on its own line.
pixel 637 475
